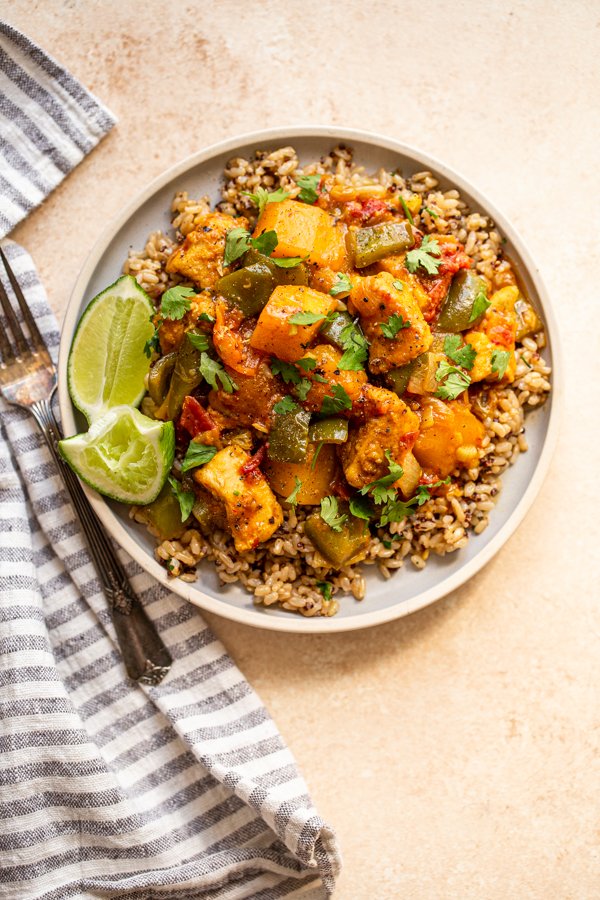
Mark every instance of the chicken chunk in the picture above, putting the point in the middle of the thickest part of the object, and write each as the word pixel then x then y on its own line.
pixel 200 257
pixel 253 513
pixel 376 299
pixel 497 331
pixel 390 425
pixel 171 331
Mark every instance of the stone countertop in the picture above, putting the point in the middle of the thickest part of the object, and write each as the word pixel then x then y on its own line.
pixel 455 751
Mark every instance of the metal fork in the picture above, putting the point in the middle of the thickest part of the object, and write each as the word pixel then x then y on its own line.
pixel 28 379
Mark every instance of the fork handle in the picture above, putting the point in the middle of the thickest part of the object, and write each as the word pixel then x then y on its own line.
pixel 146 658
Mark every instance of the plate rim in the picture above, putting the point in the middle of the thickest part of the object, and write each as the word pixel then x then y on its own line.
pixel 258 617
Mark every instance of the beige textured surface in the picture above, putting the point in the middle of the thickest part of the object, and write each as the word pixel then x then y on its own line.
pixel 456 752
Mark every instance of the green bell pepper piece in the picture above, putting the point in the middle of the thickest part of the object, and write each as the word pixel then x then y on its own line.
pixel 398 379
pixel 186 376
pixel 249 288
pixel 288 438
pixel 455 313
pixel 158 377
pixel 339 548
pixel 333 326
pixel 329 431
pixel 296 275
pixel 367 245
pixel 164 514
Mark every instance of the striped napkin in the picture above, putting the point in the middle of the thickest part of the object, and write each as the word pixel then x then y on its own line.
pixel 109 788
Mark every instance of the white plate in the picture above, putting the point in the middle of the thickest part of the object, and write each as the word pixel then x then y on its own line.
pixel 409 589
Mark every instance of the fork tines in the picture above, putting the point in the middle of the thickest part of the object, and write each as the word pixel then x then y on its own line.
pixel 23 348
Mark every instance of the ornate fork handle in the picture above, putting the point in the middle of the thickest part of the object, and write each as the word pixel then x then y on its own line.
pixel 145 656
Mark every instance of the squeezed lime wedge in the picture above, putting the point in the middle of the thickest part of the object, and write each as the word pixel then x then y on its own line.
pixel 125 455
pixel 107 363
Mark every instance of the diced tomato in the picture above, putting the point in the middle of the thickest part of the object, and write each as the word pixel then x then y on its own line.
pixel 254 463
pixel 453 258
pixel 366 212
pixel 194 417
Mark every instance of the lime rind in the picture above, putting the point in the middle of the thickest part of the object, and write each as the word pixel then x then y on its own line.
pixel 107 365
pixel 125 455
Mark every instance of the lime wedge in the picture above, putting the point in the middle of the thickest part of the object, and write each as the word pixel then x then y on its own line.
pixel 125 455
pixel 107 364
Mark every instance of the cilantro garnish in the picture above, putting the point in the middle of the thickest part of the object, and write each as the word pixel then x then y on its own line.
pixel 331 406
pixel 396 510
pixel 263 196
pixel 186 499
pixel 381 489
pixel 423 256
pixel 288 262
pixel 463 356
pixel 431 212
pixel 423 490
pixel 239 240
pixel 308 185
pixel 500 360
pixel 205 317
pixel 480 304
pixel 213 371
pixel 153 344
pixel 394 324
pixel 287 405
pixel 360 507
pixel 407 211
pixel 288 372
pixel 302 388
pixel 307 363
pixel 197 455
pixel 330 513
pixel 455 381
pixel 315 457
pixel 343 285
pixel 175 302
pixel 199 341
pixel 326 589
pixel 293 497
pixel 305 318
pixel 356 348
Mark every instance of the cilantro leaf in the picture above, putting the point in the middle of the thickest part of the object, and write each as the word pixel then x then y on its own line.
pixel 175 302
pixel 381 489
pixel 463 356
pixel 302 388
pixel 407 211
pixel 287 405
pixel 197 455
pixel 361 508
pixel 288 262
pixel 424 490
pixel 308 185
pixel 263 196
pixel 325 588
pixel 186 499
pixel 424 256
pixel 265 243
pixel 500 360
pixel 331 406
pixel 394 324
pixel 356 348
pixel 153 344
pixel 315 457
pixel 480 305
pixel 205 317
pixel 343 285
pixel 288 372
pixel 212 371
pixel 396 510
pixel 307 363
pixel 330 513
pixel 455 381
pixel 305 318
pixel 399 285
pixel 199 341
pixel 431 212
pixel 293 497
pixel 236 244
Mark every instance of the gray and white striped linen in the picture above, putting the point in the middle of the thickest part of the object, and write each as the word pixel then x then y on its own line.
pixel 109 788
pixel 48 123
